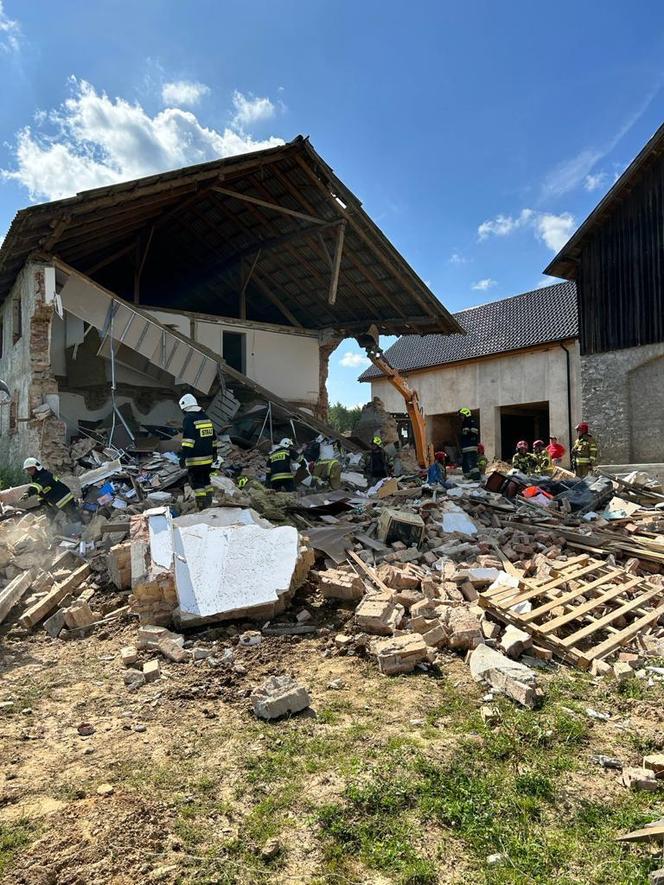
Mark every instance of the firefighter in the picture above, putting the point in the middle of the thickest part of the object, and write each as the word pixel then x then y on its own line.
pixel 522 460
pixel 376 461
pixel 470 436
pixel 49 489
pixel 542 459
pixel 280 475
pixel 199 449
pixel 327 467
pixel 584 451
pixel 482 460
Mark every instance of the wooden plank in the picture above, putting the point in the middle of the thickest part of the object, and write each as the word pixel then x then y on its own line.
pixel 599 651
pixel 567 597
pixel 278 303
pixel 369 572
pixel 14 592
pixel 577 611
pixel 505 596
pixel 646 834
pixel 612 616
pixel 334 281
pixel 265 204
pixel 44 606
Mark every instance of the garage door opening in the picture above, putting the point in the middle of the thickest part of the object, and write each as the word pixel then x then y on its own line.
pixel 529 421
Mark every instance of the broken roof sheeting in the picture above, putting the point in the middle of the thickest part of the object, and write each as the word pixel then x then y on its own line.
pixel 533 318
pixel 198 244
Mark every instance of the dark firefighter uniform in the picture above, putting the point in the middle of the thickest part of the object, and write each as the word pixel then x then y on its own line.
pixel 470 437
pixel 51 491
pixel 199 449
pixel 584 454
pixel 280 476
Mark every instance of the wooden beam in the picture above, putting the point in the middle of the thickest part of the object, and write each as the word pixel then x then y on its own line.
pixel 47 243
pixel 88 271
pixel 274 299
pixel 334 281
pixel 243 291
pixel 312 219
pixel 139 262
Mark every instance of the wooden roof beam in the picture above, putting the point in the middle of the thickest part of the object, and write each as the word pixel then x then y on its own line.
pixel 265 204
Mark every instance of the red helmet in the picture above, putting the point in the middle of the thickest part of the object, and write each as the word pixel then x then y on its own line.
pixel 582 427
pixel 539 442
pixel 440 456
pixel 522 444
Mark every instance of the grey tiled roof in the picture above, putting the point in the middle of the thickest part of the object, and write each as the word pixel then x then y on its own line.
pixel 538 317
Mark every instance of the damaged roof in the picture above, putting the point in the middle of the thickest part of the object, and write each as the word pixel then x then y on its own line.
pixel 533 318
pixel 251 236
pixel 565 263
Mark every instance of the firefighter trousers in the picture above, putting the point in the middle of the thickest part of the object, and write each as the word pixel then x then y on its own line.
pixel 199 480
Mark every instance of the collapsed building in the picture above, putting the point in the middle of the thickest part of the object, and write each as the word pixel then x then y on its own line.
pixel 234 279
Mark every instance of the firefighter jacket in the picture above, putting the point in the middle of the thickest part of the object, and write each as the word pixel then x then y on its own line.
pixel 50 490
pixel 524 462
pixel 543 462
pixel 376 462
pixel 584 450
pixel 199 441
pixel 470 435
pixel 279 464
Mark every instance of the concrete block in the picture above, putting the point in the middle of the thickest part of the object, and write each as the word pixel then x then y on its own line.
pixel 172 650
pixel 13 593
pixel 379 613
pixel 151 670
pixel 599 668
pixel 436 636
pixel 639 779
pixel 198 653
pixel 133 679
pixel 491 630
pixel 464 629
pixel 129 655
pixel 507 676
pixel 279 696
pixel 55 624
pixel 514 641
pixel 79 614
pixel 623 671
pixel 408 597
pixel 400 654
pixel 655 762
pixel 337 584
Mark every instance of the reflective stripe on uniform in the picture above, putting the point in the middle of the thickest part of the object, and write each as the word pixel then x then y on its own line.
pixel 277 476
pixel 202 461
pixel 64 500
pixel 200 493
pixel 204 428
pixel 467 449
pixel 187 443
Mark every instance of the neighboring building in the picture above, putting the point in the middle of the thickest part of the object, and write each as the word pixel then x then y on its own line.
pixel 616 258
pixel 516 368
pixel 247 271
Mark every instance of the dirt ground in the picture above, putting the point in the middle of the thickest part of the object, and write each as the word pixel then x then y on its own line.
pixel 178 782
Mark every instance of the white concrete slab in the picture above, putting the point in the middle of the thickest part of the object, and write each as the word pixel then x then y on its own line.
pixel 220 569
pixel 160 525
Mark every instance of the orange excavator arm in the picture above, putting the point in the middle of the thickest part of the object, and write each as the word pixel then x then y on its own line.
pixel 413 407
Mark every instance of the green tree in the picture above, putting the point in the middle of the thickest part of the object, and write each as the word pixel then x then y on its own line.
pixel 342 418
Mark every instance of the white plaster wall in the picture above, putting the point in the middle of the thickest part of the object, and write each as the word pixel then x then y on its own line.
pixel 488 384
pixel 284 362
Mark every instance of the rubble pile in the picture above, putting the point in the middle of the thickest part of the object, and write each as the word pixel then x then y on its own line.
pixel 407 569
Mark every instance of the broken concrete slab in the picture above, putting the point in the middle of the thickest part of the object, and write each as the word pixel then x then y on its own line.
pixel 55 624
pixel 279 696
pixel 379 613
pixel 507 676
pixel 655 762
pixel 400 654
pixel 639 779
pixel 514 641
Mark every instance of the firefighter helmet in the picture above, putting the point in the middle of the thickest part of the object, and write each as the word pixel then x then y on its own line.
pixel 465 412
pixel 377 441
pixel 538 444
pixel 31 462
pixel 286 443
pixel 582 427
pixel 188 402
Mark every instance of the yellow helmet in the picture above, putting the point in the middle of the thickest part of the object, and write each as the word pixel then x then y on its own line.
pixel 377 441
pixel 242 481
pixel 465 412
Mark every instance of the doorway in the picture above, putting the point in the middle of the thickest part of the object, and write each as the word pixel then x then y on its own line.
pixel 233 347
pixel 529 421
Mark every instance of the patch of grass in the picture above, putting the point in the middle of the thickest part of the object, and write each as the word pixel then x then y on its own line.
pixel 13 837
pixel 10 476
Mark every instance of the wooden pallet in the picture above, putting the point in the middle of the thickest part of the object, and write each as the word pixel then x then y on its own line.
pixel 583 611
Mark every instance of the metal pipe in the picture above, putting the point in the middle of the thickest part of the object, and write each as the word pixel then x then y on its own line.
pixel 569 398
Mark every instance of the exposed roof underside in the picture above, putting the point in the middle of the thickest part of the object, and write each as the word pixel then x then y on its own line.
pixel 534 318
pixel 566 261
pixel 196 237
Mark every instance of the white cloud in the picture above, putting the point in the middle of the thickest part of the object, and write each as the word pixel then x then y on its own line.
pixel 249 109
pixel 92 140
pixel 594 182
pixel 555 230
pixel 502 225
pixel 183 92
pixel 10 32
pixel 457 258
pixel 483 285
pixel 352 360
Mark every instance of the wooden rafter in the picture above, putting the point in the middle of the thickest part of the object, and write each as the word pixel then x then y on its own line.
pixel 265 204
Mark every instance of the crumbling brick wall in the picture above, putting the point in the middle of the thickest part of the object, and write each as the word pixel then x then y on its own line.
pixel 25 366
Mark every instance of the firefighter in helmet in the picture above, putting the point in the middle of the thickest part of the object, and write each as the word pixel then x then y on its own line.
pixel 199 449
pixel 584 451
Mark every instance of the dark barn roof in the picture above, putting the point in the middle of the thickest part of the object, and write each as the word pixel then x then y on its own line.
pixel 539 317
pixel 264 223
pixel 565 263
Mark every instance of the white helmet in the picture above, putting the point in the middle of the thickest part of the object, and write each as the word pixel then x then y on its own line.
pixel 188 402
pixel 320 438
pixel 31 462
pixel 286 443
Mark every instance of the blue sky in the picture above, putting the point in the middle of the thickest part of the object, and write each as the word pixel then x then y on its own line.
pixel 477 135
